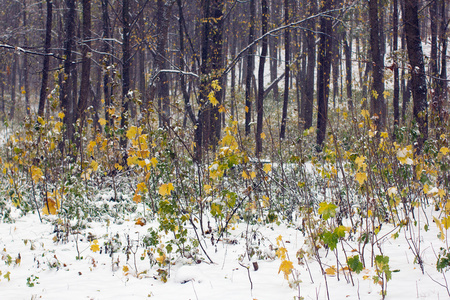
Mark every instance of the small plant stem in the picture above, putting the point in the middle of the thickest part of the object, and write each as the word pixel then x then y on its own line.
pixel 35 201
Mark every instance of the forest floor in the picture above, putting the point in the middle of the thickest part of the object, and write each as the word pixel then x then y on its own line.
pixel 41 262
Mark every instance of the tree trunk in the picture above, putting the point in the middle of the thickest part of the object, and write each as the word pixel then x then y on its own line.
pixel 323 74
pixel 126 65
pixel 308 100
pixel 418 78
pixel 377 105
pixel 395 65
pixel 85 62
pixel 12 108
pixel 250 68
pixel 66 94
pixel 262 61
pixel 287 54
pixel 106 61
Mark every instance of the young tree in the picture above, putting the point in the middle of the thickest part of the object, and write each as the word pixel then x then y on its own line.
pixel 46 63
pixel 308 100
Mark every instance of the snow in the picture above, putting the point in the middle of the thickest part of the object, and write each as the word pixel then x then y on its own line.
pixel 52 265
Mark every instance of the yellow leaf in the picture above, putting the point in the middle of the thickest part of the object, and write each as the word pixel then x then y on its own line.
pixel 102 121
pixel 222 109
pixel 53 205
pixel 246 109
pixel 361 177
pixel 111 110
pixel 141 221
pixel 207 188
pixel 161 258
pixel 331 271
pixel 281 253
pixel 91 145
pixel 141 187
pixel 384 135
pixel 154 161
pixel 94 246
pixel 94 165
pixel 267 168
pixel 166 189
pixel 40 120
pixel 137 198
pixel 245 174
pixel 365 113
pixel 215 85
pixel 132 132
pixel 263 135
pixel 133 160
pixel 125 269
pixel 286 267
pixel 444 150
pixel 212 99
pixel 36 174
pixel 369 213
pixel 360 162
pixel 118 167
pixel 61 115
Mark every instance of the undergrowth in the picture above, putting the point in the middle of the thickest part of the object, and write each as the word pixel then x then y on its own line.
pixel 339 199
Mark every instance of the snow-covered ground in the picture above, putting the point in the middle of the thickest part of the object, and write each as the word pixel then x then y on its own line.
pixel 39 265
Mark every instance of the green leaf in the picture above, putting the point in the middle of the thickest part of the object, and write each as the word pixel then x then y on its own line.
pixel 355 264
pixel 327 210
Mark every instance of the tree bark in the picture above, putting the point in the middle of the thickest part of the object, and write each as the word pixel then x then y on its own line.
pixel 250 68
pixel 308 100
pixel 262 61
pixel 323 74
pixel 287 54
pixel 66 94
pixel 85 62
pixel 418 78
pixel 377 105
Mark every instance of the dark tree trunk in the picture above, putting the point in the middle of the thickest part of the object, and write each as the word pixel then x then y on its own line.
pixel 395 65
pixel 348 71
pixel 308 100
pixel 250 68
pixel 323 74
pixel 126 65
pixel 85 62
pixel 441 84
pixel 418 78
pixel 377 105
pixel 207 131
pixel 66 93
pixel 25 65
pixel 273 47
pixel 106 60
pixel 287 54
pixel 262 61
pixel 12 108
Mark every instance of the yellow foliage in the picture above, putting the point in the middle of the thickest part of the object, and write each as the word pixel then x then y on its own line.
pixel 137 198
pixel 286 267
pixel 361 177
pixel 166 189
pixel 267 168
pixel 94 165
pixel 102 121
pixel 36 174
pixel 331 271
pixel 53 203
pixel 94 246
